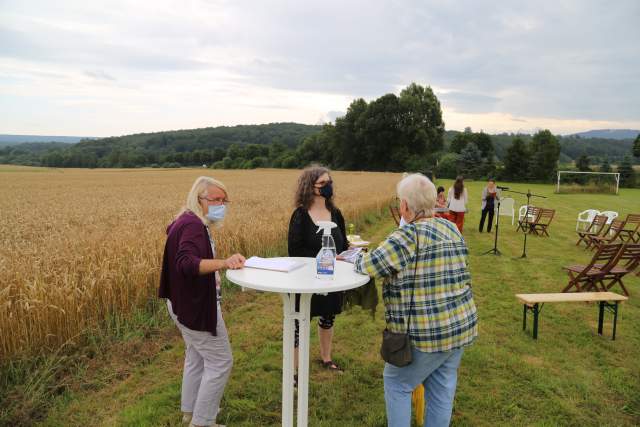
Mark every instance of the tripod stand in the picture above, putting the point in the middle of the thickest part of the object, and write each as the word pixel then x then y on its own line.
pixel 525 228
pixel 495 250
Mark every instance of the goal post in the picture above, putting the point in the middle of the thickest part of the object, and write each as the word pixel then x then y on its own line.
pixel 615 175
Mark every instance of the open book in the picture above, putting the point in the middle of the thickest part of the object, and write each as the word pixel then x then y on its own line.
pixel 275 264
pixel 350 255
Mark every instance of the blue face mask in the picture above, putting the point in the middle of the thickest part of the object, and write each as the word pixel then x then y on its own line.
pixel 216 212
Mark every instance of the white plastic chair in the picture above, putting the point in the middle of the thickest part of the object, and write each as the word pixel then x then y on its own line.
pixel 611 215
pixel 522 212
pixel 586 217
pixel 507 208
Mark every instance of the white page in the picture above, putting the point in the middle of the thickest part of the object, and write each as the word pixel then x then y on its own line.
pixel 275 264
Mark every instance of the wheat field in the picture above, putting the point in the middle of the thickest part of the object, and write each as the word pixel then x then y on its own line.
pixel 78 245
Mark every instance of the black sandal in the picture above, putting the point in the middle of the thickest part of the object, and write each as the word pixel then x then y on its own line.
pixel 331 365
pixel 295 380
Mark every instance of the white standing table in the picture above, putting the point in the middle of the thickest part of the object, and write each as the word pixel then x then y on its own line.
pixel 301 281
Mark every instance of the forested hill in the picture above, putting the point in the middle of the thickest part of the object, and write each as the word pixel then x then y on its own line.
pixel 275 144
pixel 170 148
pixel 571 146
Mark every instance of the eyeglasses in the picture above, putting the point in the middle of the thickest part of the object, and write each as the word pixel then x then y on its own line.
pixel 218 200
pixel 323 183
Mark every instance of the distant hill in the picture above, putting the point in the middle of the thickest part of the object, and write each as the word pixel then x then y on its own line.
pixel 246 146
pixel 21 139
pixel 609 133
pixel 169 148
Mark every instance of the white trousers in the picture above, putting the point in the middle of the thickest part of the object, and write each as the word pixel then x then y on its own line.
pixel 207 366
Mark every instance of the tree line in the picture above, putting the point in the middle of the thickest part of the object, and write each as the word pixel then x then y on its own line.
pixel 402 132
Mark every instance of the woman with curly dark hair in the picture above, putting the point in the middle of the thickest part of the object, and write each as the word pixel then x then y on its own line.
pixel 314 202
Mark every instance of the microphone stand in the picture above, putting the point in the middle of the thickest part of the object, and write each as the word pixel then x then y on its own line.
pixel 526 218
pixel 495 250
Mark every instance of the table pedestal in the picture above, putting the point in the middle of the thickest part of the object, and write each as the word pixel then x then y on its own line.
pixel 288 343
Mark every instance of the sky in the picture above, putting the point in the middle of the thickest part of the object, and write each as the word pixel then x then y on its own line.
pixel 103 68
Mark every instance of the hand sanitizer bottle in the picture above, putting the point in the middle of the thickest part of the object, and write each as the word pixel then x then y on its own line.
pixel 326 258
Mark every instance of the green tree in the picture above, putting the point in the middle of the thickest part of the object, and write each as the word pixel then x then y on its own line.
pixel 484 143
pixel 583 163
pixel 636 146
pixel 516 161
pixel 605 166
pixel 627 174
pixel 545 151
pixel 471 162
pixel 460 141
pixel 348 138
pixel 421 117
pixel 385 145
pixel 448 166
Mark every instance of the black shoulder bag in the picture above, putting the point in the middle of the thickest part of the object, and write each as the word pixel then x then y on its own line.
pixel 396 346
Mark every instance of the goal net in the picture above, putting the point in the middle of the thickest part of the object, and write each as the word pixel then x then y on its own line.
pixel 588 182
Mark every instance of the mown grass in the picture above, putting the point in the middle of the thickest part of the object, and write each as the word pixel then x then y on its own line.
pixel 569 376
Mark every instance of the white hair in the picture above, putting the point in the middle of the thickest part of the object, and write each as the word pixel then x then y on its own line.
pixel 199 189
pixel 419 193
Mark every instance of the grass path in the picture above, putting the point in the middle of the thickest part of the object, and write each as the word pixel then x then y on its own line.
pixel 570 376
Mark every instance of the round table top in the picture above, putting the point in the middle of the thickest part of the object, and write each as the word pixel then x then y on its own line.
pixel 299 281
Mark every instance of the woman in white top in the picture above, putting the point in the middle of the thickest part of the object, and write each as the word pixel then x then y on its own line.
pixel 457 201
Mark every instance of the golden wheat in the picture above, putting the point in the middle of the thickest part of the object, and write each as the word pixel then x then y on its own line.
pixel 77 245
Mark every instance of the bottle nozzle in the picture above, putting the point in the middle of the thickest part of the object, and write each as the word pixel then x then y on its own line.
pixel 326 226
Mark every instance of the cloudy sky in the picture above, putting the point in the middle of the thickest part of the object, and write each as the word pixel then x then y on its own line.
pixel 99 68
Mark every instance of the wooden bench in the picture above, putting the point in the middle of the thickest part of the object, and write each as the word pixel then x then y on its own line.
pixel 535 302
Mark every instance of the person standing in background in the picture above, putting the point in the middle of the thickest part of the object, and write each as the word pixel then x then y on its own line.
pixel 457 200
pixel 314 201
pixel 489 197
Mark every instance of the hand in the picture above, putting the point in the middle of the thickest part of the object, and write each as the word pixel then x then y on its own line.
pixel 234 262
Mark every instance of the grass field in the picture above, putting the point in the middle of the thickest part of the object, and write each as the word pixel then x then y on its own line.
pixel 570 376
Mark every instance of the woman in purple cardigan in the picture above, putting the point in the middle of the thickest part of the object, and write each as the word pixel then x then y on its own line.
pixel 191 284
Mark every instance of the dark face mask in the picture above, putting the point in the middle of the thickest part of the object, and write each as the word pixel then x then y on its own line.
pixel 327 191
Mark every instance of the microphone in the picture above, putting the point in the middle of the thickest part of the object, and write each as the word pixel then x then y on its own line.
pixel 501 188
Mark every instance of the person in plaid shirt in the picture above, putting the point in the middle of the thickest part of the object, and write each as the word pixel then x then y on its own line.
pixel 443 314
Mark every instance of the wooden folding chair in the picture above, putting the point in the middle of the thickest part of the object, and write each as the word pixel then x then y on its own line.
pixel 611 234
pixel 595 228
pixel 540 226
pixel 395 213
pixel 627 261
pixel 529 218
pixel 587 277
pixel 630 233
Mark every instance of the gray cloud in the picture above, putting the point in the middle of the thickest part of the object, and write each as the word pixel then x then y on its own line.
pixel 566 60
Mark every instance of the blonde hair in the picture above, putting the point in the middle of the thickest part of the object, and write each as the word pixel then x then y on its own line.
pixel 200 188
pixel 419 192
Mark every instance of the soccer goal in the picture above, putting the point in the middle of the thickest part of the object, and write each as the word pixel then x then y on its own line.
pixel 588 182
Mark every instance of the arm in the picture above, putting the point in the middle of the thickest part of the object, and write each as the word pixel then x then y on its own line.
pixel 189 259
pixel 389 258
pixel 343 230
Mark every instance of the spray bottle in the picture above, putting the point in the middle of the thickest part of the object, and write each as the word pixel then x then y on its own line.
pixel 326 258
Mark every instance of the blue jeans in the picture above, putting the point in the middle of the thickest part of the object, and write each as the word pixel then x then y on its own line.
pixel 438 372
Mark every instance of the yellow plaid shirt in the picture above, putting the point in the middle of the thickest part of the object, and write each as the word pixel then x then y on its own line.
pixel 443 314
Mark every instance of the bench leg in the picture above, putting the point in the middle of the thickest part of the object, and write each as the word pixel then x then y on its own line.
pixel 600 316
pixel 614 309
pixel 536 311
pixel 615 320
pixel 535 308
